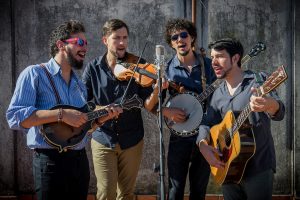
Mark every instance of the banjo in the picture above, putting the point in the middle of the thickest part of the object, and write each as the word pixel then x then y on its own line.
pixel 192 103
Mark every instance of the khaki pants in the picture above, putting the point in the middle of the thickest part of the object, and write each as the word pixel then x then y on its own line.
pixel 116 170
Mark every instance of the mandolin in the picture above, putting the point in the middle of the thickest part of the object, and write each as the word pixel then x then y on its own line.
pixel 63 136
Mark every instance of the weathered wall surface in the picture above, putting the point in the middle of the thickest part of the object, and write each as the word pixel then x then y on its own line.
pixel 296 96
pixel 251 21
pixel 6 136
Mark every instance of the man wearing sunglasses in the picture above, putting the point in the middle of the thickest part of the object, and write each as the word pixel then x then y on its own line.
pixel 188 70
pixel 56 175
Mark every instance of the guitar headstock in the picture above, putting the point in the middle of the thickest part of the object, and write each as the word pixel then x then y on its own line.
pixel 133 102
pixel 274 80
pixel 259 47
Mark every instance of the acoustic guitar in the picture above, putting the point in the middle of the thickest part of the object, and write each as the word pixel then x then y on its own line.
pixel 63 136
pixel 236 143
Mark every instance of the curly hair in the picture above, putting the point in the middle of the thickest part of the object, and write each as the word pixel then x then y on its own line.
pixel 174 25
pixel 231 45
pixel 63 32
pixel 113 25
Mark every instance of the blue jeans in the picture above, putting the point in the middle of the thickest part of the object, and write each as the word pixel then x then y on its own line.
pixel 183 157
pixel 61 175
pixel 257 187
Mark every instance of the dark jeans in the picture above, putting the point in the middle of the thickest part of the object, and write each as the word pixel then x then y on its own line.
pixel 183 157
pixel 61 175
pixel 258 187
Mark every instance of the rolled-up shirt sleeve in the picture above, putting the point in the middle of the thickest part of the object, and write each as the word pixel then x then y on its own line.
pixel 279 115
pixel 22 104
pixel 210 118
pixel 204 132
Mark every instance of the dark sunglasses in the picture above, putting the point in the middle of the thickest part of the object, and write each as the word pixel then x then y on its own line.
pixel 78 41
pixel 182 35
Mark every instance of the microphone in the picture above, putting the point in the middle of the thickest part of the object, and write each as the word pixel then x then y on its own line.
pixel 160 57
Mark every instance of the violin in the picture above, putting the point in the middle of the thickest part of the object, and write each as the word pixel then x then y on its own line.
pixel 124 70
pixel 145 74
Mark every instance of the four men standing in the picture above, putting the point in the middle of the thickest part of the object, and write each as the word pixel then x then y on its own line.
pixel 117 143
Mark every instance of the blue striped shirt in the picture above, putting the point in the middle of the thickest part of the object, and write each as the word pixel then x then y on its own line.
pixel 34 92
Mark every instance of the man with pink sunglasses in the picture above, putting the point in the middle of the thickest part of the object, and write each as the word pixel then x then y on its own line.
pixel 40 87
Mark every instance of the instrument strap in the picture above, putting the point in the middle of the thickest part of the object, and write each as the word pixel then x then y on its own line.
pixel 258 78
pixel 58 101
pixel 203 77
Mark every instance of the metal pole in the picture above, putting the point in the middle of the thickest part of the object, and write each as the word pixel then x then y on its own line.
pixel 161 140
pixel 194 11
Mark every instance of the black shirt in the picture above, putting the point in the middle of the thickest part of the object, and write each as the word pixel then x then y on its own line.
pixel 103 88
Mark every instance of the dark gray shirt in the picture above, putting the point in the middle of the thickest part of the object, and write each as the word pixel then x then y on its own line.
pixel 222 101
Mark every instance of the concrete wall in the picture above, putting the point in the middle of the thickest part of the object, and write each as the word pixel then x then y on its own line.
pixel 296 96
pixel 7 154
pixel 24 38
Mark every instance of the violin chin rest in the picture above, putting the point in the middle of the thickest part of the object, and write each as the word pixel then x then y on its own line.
pixel 119 69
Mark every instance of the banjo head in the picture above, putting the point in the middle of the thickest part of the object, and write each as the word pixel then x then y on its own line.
pixel 189 102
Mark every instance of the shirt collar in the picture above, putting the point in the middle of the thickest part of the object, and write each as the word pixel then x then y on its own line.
pixel 53 67
pixel 248 74
pixel 176 62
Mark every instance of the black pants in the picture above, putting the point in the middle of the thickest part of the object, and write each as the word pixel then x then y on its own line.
pixel 183 157
pixel 61 175
pixel 256 187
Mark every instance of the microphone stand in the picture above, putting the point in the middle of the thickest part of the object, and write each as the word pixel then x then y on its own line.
pixel 161 195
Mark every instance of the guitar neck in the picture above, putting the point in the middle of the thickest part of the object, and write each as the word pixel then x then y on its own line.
pixel 96 114
pixel 245 59
pixel 133 102
pixel 241 119
pixel 209 90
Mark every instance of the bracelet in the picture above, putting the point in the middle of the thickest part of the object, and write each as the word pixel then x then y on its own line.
pixel 60 115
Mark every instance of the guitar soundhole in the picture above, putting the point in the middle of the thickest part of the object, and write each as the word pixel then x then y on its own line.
pixel 223 144
pixel 225 154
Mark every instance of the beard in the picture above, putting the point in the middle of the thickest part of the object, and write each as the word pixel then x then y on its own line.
pixel 184 53
pixel 116 54
pixel 226 72
pixel 75 64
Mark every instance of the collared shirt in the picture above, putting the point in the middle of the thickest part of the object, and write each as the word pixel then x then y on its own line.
pixel 191 81
pixel 104 88
pixel 34 92
pixel 221 102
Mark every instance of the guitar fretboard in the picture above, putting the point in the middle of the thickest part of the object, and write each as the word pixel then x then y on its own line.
pixel 245 59
pixel 96 114
pixel 208 91
pixel 241 118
